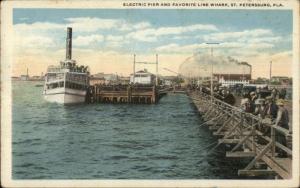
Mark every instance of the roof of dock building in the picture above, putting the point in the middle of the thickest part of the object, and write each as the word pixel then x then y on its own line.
pixel 144 71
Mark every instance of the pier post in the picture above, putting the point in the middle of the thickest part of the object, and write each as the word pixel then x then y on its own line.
pixel 154 94
pixel 129 90
pixel 97 94
pixel 94 93
pixel 273 141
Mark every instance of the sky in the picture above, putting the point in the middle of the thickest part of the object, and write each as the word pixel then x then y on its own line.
pixel 106 39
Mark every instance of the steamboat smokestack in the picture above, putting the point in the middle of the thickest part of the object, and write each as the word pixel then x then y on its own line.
pixel 69 44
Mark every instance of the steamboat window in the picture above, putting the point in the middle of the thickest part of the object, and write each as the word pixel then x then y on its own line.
pixel 72 85
pixel 55 85
pixel 55 76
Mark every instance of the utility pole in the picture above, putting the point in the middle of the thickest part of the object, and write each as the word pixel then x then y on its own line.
pixel 156 70
pixel 133 76
pixel 270 70
pixel 211 75
pixel 212 70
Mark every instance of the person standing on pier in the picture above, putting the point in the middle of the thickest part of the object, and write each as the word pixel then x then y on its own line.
pixel 258 93
pixel 282 93
pixel 274 93
pixel 229 98
pixel 260 108
pixel 245 104
pixel 253 97
pixel 271 108
pixel 282 120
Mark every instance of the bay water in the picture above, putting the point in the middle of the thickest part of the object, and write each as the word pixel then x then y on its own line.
pixel 113 141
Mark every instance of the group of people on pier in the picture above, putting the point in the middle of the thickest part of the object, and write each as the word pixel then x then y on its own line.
pixel 272 107
pixel 264 103
pixel 223 94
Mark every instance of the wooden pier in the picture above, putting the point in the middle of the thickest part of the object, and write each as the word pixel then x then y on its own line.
pixel 137 94
pixel 248 135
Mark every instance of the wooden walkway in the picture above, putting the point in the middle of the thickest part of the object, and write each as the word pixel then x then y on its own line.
pixel 249 135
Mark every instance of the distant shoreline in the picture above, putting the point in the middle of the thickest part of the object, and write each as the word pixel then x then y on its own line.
pixel 28 80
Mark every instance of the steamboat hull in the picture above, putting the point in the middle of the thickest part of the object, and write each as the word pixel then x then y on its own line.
pixel 65 96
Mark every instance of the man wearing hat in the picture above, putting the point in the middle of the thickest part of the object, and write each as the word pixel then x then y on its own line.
pixel 282 120
pixel 271 108
pixel 253 97
pixel 245 104
pixel 259 108
pixel 274 93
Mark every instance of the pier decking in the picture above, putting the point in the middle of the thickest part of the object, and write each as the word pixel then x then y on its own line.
pixel 249 135
pixel 137 94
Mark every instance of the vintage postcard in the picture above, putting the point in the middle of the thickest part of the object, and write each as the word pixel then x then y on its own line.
pixel 150 93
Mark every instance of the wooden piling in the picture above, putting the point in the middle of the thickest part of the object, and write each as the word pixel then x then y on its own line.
pixel 138 94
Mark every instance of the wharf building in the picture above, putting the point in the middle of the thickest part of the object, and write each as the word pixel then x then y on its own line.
pixel 108 79
pixel 143 77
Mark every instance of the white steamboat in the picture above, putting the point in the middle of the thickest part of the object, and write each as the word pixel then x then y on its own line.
pixel 68 82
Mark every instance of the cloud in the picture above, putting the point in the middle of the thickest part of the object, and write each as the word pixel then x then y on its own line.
pixel 87 40
pixel 35 37
pixel 115 38
pixel 141 25
pixel 247 42
pixel 143 35
pixel 190 48
pixel 37 27
pixel 82 26
pixel 33 42
pixel 87 24
pixel 259 46
pixel 151 34
pixel 92 24
pixel 266 39
pixel 180 30
pixel 175 48
pixel 240 35
pixel 232 48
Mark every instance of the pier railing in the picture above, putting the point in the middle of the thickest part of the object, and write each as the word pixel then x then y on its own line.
pixel 251 135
